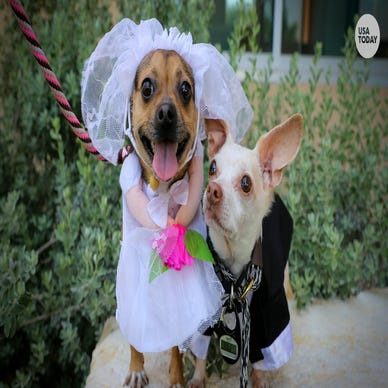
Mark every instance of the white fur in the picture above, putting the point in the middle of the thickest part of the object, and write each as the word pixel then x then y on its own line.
pixel 235 223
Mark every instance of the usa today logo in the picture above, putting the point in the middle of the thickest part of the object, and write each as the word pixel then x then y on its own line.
pixel 367 36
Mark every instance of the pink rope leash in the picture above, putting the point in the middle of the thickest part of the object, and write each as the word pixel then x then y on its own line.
pixel 55 86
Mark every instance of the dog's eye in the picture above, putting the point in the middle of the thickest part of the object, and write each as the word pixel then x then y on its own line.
pixel 147 89
pixel 212 168
pixel 185 91
pixel 246 184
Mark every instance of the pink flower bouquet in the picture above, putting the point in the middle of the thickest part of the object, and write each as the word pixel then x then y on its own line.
pixel 175 247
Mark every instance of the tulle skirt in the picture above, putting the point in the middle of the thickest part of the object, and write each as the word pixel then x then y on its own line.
pixel 171 309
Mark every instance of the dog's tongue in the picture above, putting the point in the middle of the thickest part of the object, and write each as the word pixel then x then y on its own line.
pixel 165 163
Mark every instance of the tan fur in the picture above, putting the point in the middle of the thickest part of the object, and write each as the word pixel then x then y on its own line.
pixel 176 368
pixel 167 71
pixel 137 376
pixel 258 379
pixel 137 360
pixel 287 284
pixel 198 379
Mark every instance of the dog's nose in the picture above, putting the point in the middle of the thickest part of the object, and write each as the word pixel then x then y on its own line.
pixel 166 114
pixel 214 193
pixel 166 121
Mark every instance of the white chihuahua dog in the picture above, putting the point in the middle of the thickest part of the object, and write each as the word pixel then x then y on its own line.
pixel 239 196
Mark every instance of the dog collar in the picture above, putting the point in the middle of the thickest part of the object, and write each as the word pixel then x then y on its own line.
pixel 243 284
pixel 234 342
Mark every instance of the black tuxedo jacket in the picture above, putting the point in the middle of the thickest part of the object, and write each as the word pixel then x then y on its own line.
pixel 269 308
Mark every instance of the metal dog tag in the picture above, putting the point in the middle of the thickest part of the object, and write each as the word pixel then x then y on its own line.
pixel 229 318
pixel 228 332
pixel 229 349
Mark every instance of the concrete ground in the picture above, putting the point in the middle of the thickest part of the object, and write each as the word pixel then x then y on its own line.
pixel 337 344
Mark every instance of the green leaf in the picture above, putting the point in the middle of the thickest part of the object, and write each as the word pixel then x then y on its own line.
pixel 197 246
pixel 156 266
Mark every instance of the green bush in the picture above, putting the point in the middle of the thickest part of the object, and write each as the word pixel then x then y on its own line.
pixel 60 221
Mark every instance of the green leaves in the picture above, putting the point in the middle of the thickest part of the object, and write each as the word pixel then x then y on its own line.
pixel 197 246
pixel 156 266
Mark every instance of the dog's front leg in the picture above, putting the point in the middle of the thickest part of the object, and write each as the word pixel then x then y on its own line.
pixel 198 379
pixel 136 377
pixel 200 347
pixel 176 369
pixel 259 379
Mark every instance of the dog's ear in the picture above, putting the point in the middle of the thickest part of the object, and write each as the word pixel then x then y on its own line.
pixel 217 132
pixel 278 148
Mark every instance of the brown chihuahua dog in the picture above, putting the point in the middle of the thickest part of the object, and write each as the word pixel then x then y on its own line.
pixel 164 124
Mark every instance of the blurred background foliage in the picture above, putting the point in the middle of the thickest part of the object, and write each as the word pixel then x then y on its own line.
pixel 60 220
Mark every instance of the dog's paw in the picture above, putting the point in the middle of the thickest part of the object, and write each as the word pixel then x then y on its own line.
pixel 178 385
pixel 136 380
pixel 259 379
pixel 196 383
